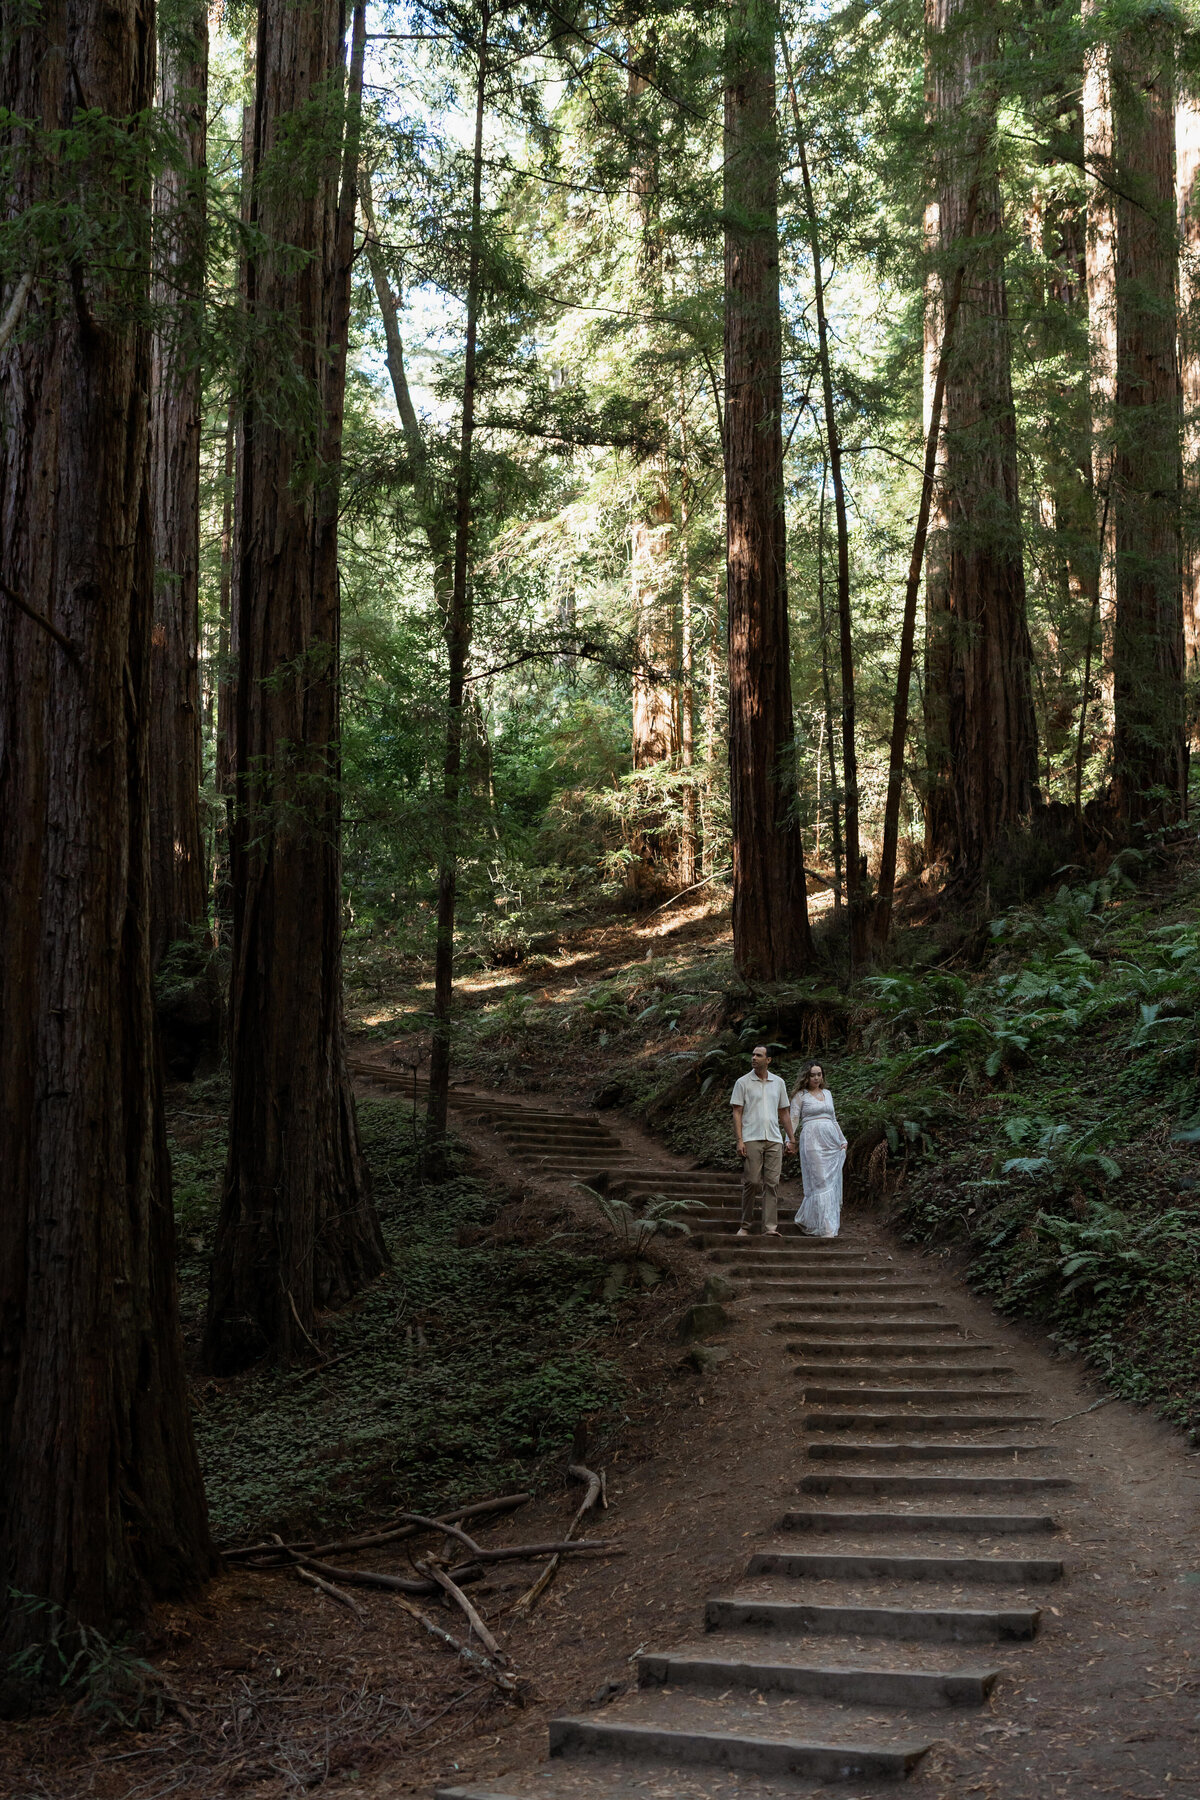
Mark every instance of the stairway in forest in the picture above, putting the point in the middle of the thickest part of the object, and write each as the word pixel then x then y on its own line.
pixel 908 1564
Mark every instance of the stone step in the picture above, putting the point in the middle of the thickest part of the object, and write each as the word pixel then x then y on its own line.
pixel 843 1308
pixel 848 1451
pixel 534 1131
pixel 941 1625
pixel 868 1357
pixel 873 1565
pixel 887 1396
pixel 834 1286
pixel 828 1328
pixel 857 1524
pixel 839 1421
pixel 734 1750
pixel 981 1485
pixel 747 1261
pixel 862 1687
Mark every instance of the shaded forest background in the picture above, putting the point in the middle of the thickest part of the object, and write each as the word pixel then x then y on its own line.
pixel 476 476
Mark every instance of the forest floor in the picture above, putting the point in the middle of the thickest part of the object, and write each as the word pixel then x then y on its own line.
pixel 499 1332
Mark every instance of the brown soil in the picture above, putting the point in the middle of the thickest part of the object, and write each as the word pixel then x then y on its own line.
pixel 279 1690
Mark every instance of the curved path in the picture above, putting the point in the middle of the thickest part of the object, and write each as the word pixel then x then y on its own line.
pixel 921 1608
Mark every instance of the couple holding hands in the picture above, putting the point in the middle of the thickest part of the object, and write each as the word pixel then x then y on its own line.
pixel 766 1124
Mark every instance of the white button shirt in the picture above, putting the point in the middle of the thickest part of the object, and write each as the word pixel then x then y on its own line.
pixel 760 1102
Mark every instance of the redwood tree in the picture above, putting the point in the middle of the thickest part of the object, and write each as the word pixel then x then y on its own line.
pixel 770 910
pixel 978 693
pixel 101 1504
pixel 1149 734
pixel 177 873
pixel 297 1228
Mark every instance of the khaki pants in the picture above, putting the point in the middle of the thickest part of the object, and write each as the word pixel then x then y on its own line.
pixel 761 1169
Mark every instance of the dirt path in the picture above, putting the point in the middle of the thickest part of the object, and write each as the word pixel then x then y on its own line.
pixel 1102 1699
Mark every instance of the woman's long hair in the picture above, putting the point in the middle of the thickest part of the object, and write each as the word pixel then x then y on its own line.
pixel 804 1088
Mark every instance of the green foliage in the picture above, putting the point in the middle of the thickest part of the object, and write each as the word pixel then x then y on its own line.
pixel 1067 1159
pixel 105 1679
pixel 464 1362
pixel 633 1231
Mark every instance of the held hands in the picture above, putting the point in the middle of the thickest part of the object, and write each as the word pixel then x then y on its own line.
pixel 789 1146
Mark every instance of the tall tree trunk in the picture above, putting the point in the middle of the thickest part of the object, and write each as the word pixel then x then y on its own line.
pixel 1149 734
pixel 297 1229
pixel 981 649
pixel 771 936
pixel 458 645
pixel 855 888
pixel 177 875
pixel 935 693
pixel 687 686
pixel 712 676
pixel 435 520
pixel 654 729
pixel 1100 254
pixel 827 696
pixel 1187 196
pixel 103 1507
pixel 655 733
pixel 224 759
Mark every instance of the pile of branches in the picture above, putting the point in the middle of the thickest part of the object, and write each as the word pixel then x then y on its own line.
pixel 461 1561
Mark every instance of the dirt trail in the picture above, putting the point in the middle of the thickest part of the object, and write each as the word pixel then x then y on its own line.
pixel 1102 1699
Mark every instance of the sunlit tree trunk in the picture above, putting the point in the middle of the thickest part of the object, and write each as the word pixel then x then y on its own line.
pixel 935 690
pixel 1187 195
pixel 297 1228
pixel 177 864
pixel 102 1505
pixel 1101 274
pixel 1149 737
pixel 687 688
pixel 770 909
pixel 980 655
pixel 655 723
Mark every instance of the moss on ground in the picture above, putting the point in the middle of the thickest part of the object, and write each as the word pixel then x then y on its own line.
pixel 452 1376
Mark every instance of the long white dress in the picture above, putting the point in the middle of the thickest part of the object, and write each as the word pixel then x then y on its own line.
pixel 822 1154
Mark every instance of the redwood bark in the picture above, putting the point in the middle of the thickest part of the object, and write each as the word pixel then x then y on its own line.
pixel 1100 254
pixel 458 648
pixel 770 910
pixel 1187 195
pixel 978 672
pixel 1149 736
pixel 177 872
pixel 101 1504
pixel 297 1229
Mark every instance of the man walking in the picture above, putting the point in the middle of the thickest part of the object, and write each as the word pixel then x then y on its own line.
pixel 762 1124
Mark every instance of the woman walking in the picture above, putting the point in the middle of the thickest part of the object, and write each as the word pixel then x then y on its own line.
pixel 822 1153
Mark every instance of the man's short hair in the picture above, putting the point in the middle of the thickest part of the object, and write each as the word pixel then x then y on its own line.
pixel 764 1050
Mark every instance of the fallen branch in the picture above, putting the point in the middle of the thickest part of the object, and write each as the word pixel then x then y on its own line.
pixel 473 1618
pixel 335 1593
pixel 374 1578
pixel 508 1684
pixel 386 1535
pixel 1094 1407
pixel 595 1492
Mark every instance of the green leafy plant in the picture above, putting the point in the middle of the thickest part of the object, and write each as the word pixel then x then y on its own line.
pixel 108 1681
pixel 633 1231
pixel 1066 1158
